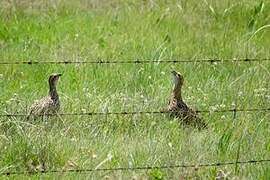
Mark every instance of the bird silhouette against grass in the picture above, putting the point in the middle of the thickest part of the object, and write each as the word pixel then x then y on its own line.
pixel 179 108
pixel 48 105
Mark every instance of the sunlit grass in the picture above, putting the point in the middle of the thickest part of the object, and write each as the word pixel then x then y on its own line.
pixel 154 30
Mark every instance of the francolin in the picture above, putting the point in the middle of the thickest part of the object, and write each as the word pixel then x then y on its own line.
pixel 179 108
pixel 50 104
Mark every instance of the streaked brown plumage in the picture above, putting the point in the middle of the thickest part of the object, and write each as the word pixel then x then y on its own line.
pixel 49 104
pixel 179 108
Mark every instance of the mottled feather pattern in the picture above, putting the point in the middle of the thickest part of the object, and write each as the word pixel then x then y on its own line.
pixel 45 106
pixel 49 104
pixel 179 108
pixel 187 115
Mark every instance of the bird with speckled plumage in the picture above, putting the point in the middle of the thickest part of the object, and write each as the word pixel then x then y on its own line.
pixel 50 104
pixel 179 108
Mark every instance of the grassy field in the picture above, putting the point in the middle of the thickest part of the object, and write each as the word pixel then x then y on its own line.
pixel 128 30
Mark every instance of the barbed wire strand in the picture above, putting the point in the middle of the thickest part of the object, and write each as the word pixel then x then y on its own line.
pixel 216 164
pixel 137 112
pixel 137 61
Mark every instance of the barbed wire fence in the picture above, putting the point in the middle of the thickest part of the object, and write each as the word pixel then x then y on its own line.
pixel 139 112
pixel 137 61
pixel 216 164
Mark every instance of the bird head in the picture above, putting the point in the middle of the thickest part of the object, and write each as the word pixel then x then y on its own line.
pixel 53 79
pixel 178 79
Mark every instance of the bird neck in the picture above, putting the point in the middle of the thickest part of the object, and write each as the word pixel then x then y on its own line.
pixel 177 94
pixel 53 92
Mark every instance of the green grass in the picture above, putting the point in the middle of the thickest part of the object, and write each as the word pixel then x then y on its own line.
pixel 127 30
